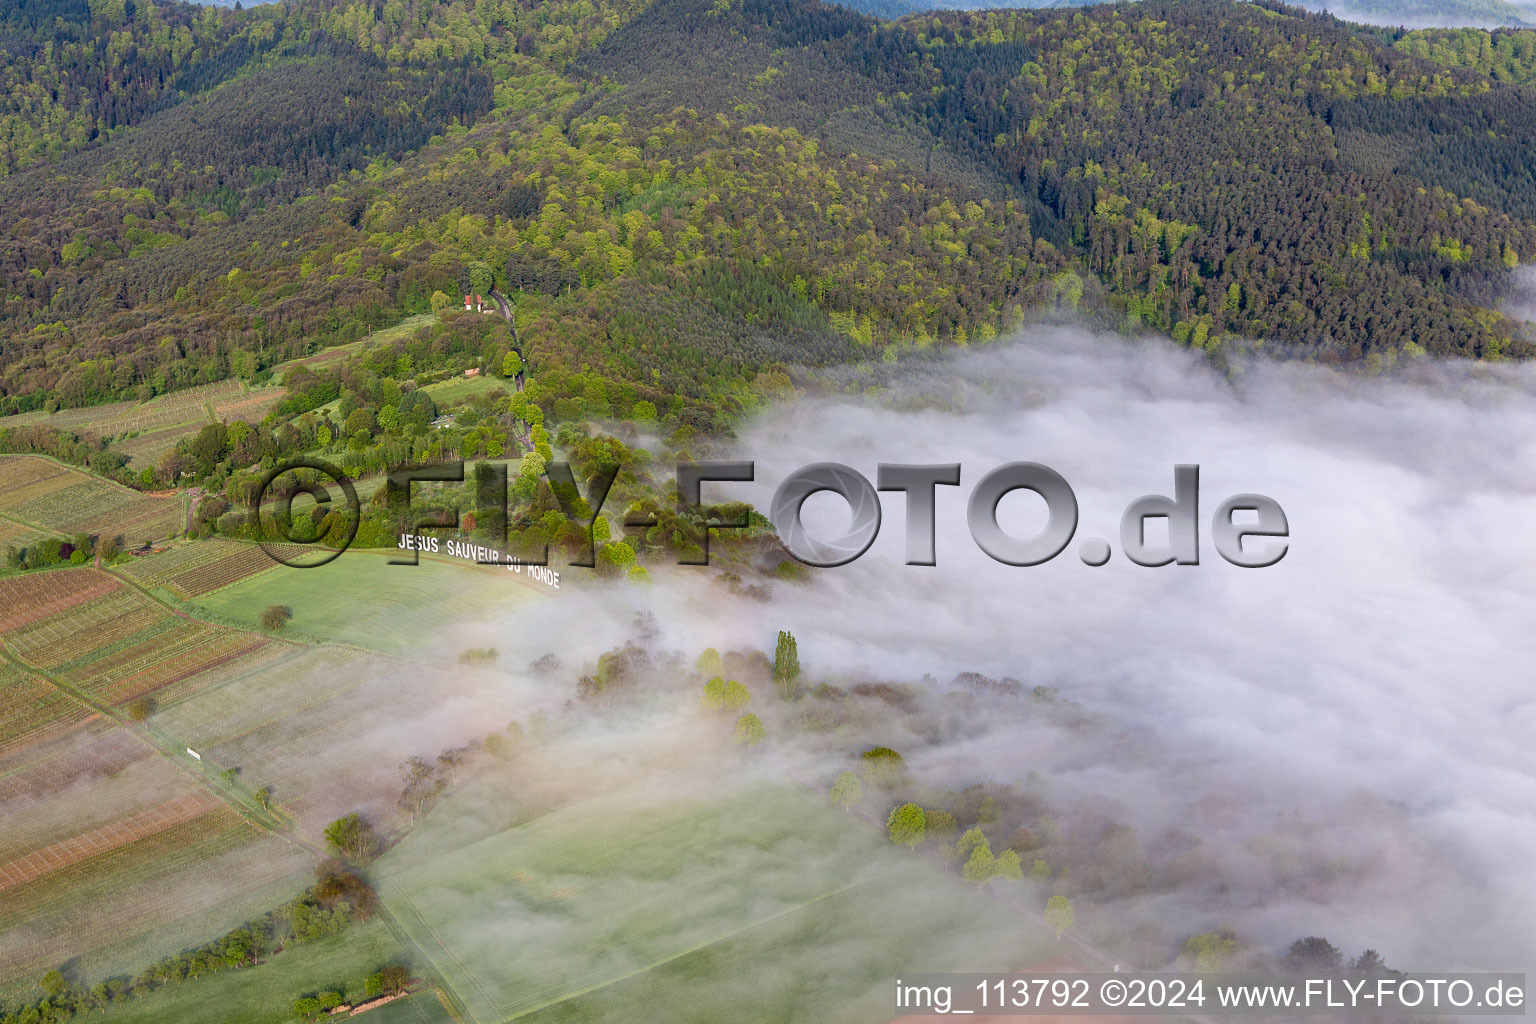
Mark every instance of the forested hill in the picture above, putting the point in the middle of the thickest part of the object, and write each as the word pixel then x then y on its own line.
pixel 691 195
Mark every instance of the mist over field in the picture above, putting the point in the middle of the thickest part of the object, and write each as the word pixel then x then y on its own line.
pixel 1346 733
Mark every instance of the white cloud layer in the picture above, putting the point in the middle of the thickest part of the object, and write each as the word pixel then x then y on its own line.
pixel 1386 661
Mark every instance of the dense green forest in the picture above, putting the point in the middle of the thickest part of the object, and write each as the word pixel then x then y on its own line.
pixel 1505 55
pixel 688 198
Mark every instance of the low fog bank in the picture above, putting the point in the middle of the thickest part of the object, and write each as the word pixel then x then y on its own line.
pixel 1388 654
pixel 1336 745
pixel 1522 303
pixel 1365 704
pixel 1416 14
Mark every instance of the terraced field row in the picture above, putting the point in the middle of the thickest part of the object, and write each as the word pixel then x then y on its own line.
pixel 75 849
pixel 31 707
pixel 149 897
pixel 120 644
pixel 38 595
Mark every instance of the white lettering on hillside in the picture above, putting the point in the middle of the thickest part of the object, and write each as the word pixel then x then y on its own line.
pixel 480 554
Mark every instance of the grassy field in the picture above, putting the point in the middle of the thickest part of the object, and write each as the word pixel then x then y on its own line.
pixel 265 994
pixel 361 599
pixel 697 900
pixel 425 1008
pixel 456 389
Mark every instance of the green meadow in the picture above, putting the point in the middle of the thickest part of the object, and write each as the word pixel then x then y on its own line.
pixel 694 900
pixel 360 598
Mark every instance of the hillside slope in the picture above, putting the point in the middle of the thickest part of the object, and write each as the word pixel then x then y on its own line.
pixel 691 195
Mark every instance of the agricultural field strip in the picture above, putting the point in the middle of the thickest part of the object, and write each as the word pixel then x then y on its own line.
pixel 199 568
pixel 56 499
pixel 171 752
pixel 66 893
pixel 249 561
pixel 28 703
pixel 64 634
pixel 143 647
pixel 185 669
pixel 89 898
pixel 25 478
pixel 13 530
pixel 60 589
pixel 106 838
pixel 160 568
pixel 44 746
pixel 138 626
pixel 176 409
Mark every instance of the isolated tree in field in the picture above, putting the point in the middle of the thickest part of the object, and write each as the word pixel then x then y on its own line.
pixel 353 837
pixel 1008 866
pixel 846 791
pixel 140 708
pixel 980 865
pixel 306 1008
pixel 1059 914
pixel 263 798
pixel 329 1000
pixel 276 616
pixel 394 979
pixel 786 665
pixel 749 731
pixel 907 825
pixel 709 664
